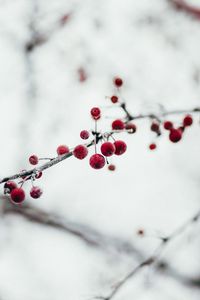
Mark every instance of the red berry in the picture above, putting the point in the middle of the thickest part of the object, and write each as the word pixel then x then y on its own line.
pixel 111 167
pixel 80 151
pixel 175 135
pixel 38 175
pixel 17 195
pixel 107 149
pixel 155 127
pixel 131 128
pixel 95 113
pixel 152 146
pixel 168 125
pixel 33 159
pixel 62 149
pixel 188 120
pixel 9 186
pixel 97 161
pixel 35 192
pixel 114 99
pixel 118 125
pixel 118 81
pixel 84 134
pixel 120 147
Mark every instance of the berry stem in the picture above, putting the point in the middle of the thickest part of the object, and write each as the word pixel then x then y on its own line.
pixel 95 139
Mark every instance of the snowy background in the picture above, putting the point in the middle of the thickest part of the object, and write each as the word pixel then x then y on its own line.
pixel 155 49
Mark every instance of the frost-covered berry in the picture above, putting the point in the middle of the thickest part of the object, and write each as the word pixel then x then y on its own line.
pixel 97 161
pixel 84 134
pixel 62 149
pixel 131 127
pixel 35 192
pixel 95 113
pixel 118 125
pixel 168 125
pixel 9 186
pixel 175 135
pixel 118 81
pixel 152 146
pixel 33 159
pixel 111 167
pixel 80 151
pixel 107 149
pixel 120 147
pixel 187 121
pixel 17 196
pixel 114 99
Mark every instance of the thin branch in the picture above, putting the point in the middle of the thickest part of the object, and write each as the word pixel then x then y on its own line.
pixel 93 238
pixel 85 233
pixel 152 259
pixel 98 137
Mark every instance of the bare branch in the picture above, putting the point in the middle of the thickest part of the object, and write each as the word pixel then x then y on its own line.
pixel 85 233
pixel 152 259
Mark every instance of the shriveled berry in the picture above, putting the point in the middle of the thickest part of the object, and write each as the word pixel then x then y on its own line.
pixel 33 159
pixel 120 147
pixel 111 167
pixel 118 81
pixel 152 146
pixel 118 125
pixel 131 127
pixel 140 232
pixel 35 192
pixel 97 161
pixel 80 151
pixel 95 113
pixel 38 175
pixel 155 127
pixel 181 128
pixel 17 196
pixel 175 135
pixel 107 149
pixel 62 149
pixel 187 121
pixel 9 186
pixel 114 99
pixel 168 125
pixel 84 134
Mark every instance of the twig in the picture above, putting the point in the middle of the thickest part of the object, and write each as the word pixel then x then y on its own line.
pixel 152 259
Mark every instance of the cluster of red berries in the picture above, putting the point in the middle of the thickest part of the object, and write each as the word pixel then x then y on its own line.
pixel 17 193
pixel 175 134
pixel 108 148
pixel 98 161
